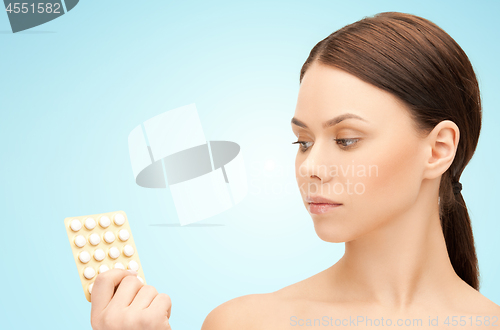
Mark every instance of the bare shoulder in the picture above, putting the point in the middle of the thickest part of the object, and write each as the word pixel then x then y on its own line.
pixel 245 312
pixel 261 311
pixel 489 307
pixel 473 301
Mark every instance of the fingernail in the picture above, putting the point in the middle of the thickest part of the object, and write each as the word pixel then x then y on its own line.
pixel 133 272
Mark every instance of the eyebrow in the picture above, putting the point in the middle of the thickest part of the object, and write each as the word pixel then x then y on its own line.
pixel 331 122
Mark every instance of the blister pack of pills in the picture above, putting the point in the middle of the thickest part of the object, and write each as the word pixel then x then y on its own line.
pixel 100 242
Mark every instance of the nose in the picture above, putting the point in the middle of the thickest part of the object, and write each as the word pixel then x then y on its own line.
pixel 316 167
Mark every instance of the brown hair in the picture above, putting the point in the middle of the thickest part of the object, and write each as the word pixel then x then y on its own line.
pixel 418 62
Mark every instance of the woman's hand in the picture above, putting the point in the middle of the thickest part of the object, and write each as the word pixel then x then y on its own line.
pixel 133 305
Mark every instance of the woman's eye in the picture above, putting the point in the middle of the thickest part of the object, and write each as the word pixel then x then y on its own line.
pixel 302 148
pixel 342 142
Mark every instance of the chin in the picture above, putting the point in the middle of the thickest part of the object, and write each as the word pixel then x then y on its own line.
pixel 328 231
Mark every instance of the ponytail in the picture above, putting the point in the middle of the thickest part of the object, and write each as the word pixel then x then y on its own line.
pixel 457 230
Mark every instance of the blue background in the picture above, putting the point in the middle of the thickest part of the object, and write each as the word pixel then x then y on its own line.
pixel 72 89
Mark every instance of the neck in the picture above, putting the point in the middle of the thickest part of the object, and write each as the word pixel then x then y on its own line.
pixel 401 264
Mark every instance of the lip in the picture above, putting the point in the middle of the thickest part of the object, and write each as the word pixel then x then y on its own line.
pixel 320 200
pixel 318 208
pixel 320 205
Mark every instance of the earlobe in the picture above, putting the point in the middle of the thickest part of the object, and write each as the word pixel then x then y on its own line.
pixel 443 142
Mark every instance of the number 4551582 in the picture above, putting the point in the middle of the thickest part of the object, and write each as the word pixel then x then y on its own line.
pixel 24 8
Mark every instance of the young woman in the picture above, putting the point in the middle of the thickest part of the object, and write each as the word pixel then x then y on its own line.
pixel 387 118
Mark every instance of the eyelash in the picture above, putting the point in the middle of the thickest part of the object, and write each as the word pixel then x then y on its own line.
pixel 304 149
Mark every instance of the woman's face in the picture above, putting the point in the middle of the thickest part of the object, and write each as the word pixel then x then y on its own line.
pixel 375 173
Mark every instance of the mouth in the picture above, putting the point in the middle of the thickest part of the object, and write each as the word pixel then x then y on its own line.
pixel 320 205
pixel 320 208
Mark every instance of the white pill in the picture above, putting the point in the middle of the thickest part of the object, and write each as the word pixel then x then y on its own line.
pixel 75 225
pixel 80 241
pixel 99 254
pixel 103 268
pixel 114 252
pixel 140 279
pixel 84 257
pixel 128 250
pixel 104 221
pixel 133 265
pixel 90 287
pixel 89 272
pixel 109 237
pixel 119 219
pixel 123 235
pixel 90 223
pixel 94 239
pixel 119 265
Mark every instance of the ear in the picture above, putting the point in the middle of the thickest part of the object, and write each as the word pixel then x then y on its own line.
pixel 442 144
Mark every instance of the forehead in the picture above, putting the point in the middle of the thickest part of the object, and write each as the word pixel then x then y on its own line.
pixel 326 92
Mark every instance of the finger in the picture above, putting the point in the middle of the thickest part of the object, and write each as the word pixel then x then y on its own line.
pixel 104 288
pixel 144 298
pixel 169 310
pixel 126 292
pixel 161 304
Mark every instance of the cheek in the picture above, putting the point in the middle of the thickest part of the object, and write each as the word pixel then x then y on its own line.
pixel 376 197
pixel 393 189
